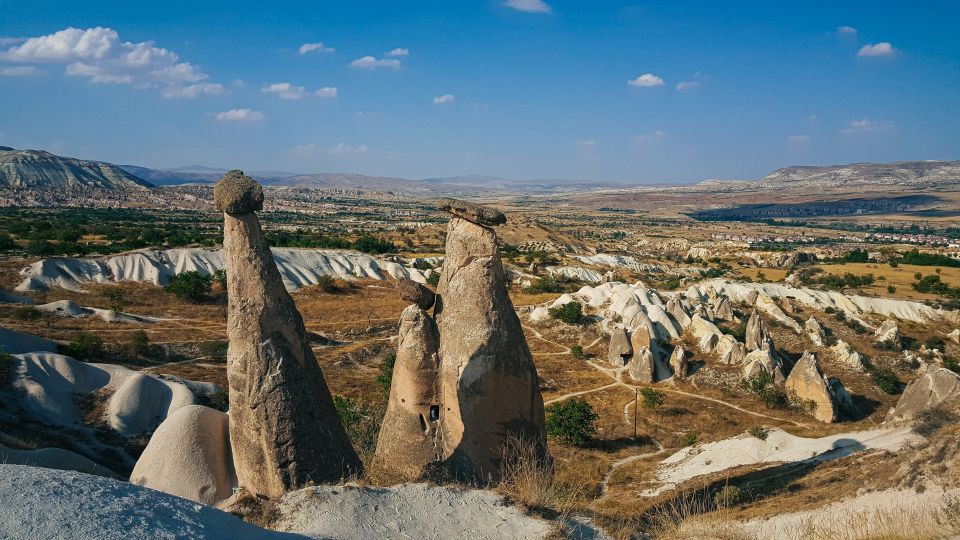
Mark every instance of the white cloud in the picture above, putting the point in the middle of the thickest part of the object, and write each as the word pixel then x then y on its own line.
pixel 446 98
pixel 285 90
pixel 846 30
pixel 647 137
pixel 98 54
pixel 882 49
pixel 327 92
pixel 19 71
pixel 646 80
pixel 399 51
pixel 192 90
pixel 799 140
pixel 307 48
pixel 304 149
pixel 369 62
pixel 529 6
pixel 344 149
pixel 866 125
pixel 688 85
pixel 239 115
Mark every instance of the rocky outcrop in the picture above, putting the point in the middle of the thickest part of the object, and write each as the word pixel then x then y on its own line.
pixel 642 368
pixel 954 335
pixel 678 362
pixel 620 350
pixel 676 310
pixel 938 387
pixel 723 310
pixel 808 386
pixel 189 456
pixel 888 333
pixel 488 382
pixel 815 332
pixel 284 429
pixel 415 293
pixel 408 434
pixel 756 335
pixel 846 355
pixel 475 213
pixel 763 361
pixel 729 350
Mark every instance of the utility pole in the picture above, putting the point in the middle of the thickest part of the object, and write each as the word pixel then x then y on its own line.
pixel 636 396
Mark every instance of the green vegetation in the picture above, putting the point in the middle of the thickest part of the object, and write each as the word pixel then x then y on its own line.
pixel 328 284
pixel 192 286
pixel 651 399
pixel 6 369
pixel 385 378
pixel 570 313
pixel 219 399
pixel 690 438
pixel 915 257
pixel 361 422
pixel 366 243
pixel 215 351
pixel 759 432
pixel 115 296
pixel 952 364
pixel 932 284
pixel 434 278
pixel 84 347
pixel 26 313
pixel 727 496
pixel 739 331
pixel 816 277
pixel 572 422
pixel 140 343
pixel 770 394
pixel 546 284
pixel 885 379
pixel 577 352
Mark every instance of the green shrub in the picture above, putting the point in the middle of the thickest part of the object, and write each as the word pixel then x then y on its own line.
pixel 727 496
pixel 952 364
pixel 7 364
pixel 933 420
pixel 886 380
pixel 936 342
pixel 216 351
pixel 327 284
pixel 219 399
pixel 361 422
pixel 759 432
pixel 140 343
pixel 434 278
pixel 6 242
pixel 26 313
pixel 770 394
pixel 651 399
pixel 546 284
pixel 572 422
pixel 577 352
pixel 116 298
pixel 192 286
pixel 891 289
pixel 83 347
pixel 385 378
pixel 219 278
pixel 570 313
pixel 690 438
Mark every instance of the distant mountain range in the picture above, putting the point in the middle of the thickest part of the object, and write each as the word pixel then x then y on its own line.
pixel 901 173
pixel 40 169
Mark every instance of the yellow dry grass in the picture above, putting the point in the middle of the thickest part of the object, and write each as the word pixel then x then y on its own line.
pixel 901 277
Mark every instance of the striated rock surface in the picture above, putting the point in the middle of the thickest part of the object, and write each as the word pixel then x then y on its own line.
pixel 756 336
pixel 415 293
pixel 189 456
pixel 285 432
pixel 846 355
pixel 888 333
pixel 407 439
pixel 475 213
pixel 936 388
pixel 489 389
pixel 620 350
pixel 723 310
pixel 808 385
pixel 815 332
pixel 763 361
pixel 642 368
pixel 678 362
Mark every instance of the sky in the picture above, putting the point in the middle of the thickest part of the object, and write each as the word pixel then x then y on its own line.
pixel 639 92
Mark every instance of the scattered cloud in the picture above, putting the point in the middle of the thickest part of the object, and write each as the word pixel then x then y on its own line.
pixel 529 6
pixel 369 62
pixel 344 149
pixel 192 90
pixel 882 49
pixel 240 115
pixel 319 47
pixel 688 85
pixel 285 90
pixel 846 30
pixel 399 51
pixel 866 125
pixel 647 137
pixel 799 140
pixel 446 98
pixel 19 71
pixel 646 80
pixel 327 92
pixel 303 149
pixel 98 54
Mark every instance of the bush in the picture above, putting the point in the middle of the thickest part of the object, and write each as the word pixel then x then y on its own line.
pixel 936 342
pixel 116 298
pixel 651 399
pixel 570 313
pixel 577 352
pixel 572 422
pixel 219 399
pixel 727 496
pixel 361 422
pixel 192 286
pixel 891 289
pixel 6 242
pixel 546 284
pixel 216 351
pixel 26 313
pixel 759 432
pixel 140 343
pixel 434 278
pixel 385 378
pixel 952 364
pixel 770 395
pixel 690 438
pixel 6 369
pixel 219 278
pixel 931 421
pixel 83 347
pixel 327 284
pixel 886 380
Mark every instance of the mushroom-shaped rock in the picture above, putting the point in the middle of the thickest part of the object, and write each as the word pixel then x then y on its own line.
pixel 237 193
pixel 189 456
pixel 815 332
pixel 284 429
pixel 620 349
pixel 407 439
pixel 678 362
pixel 935 388
pixel 415 293
pixel 475 213
pixel 809 385
pixel 489 389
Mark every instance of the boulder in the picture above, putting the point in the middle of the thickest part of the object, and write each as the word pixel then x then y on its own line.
pixel 729 350
pixel 846 355
pixel 640 338
pixel 620 349
pixel 415 293
pixel 808 385
pixel 815 332
pixel 284 429
pixel 723 310
pixel 937 387
pixel 677 311
pixel 954 335
pixel 475 213
pixel 189 456
pixel 489 390
pixel 763 361
pixel 678 362
pixel 756 335
pixel 641 367
pixel 408 434
pixel 888 333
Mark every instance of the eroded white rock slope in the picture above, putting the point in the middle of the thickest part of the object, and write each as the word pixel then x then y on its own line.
pixel 298 267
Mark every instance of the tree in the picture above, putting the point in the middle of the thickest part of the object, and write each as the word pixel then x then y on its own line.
pixel 192 286
pixel 140 343
pixel 577 352
pixel 116 298
pixel 572 421
pixel 84 347
pixel 6 242
pixel 651 399
pixel 215 350
pixel 570 313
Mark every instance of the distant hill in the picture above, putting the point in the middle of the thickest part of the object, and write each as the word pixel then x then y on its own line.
pixel 901 173
pixel 43 170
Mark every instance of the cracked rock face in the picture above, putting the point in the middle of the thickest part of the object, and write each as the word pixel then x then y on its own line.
pixel 620 348
pixel 809 385
pixel 938 387
pixel 284 429
pixel 488 382
pixel 756 335
pixel 415 293
pixel 406 444
pixel 475 213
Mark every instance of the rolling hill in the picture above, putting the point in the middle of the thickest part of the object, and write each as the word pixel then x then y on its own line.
pixel 39 169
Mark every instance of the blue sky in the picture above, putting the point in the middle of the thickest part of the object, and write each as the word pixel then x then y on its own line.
pixel 670 91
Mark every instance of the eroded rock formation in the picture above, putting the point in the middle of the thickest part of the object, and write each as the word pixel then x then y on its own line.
pixel 756 335
pixel 824 398
pixel 284 429
pixel 937 387
pixel 620 350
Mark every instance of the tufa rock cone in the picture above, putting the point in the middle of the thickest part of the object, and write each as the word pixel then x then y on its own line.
pixel 284 429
